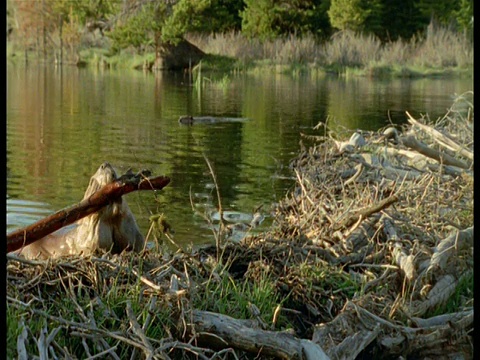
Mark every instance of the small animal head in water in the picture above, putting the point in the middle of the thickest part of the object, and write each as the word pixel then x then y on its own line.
pixel 187 119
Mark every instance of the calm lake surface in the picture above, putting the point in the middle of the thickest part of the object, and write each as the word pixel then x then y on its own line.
pixel 63 123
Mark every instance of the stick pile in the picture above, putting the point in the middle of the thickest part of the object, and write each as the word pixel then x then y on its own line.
pixel 372 252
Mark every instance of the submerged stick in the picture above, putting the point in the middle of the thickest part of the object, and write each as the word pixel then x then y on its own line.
pixel 104 196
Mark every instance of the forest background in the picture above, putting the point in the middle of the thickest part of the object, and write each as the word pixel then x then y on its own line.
pixel 334 35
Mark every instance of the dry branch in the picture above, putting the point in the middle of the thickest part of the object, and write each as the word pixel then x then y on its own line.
pixel 404 260
pixel 64 217
pixel 364 213
pixel 441 320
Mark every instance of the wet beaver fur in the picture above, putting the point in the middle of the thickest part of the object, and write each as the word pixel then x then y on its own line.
pixel 112 228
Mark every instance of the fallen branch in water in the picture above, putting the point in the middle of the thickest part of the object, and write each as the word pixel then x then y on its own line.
pixel 123 185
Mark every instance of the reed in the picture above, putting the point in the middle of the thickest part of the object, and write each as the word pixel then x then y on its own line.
pixel 439 48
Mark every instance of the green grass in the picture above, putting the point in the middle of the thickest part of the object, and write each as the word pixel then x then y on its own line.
pixel 231 297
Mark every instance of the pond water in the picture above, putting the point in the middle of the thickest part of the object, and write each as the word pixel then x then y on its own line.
pixel 63 123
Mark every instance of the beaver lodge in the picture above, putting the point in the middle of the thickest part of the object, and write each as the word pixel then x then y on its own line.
pixel 370 256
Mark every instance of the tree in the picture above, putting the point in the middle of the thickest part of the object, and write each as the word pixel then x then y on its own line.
pixel 33 19
pixel 348 15
pixel 268 19
pixel 184 17
pixel 138 26
pixel 440 11
pixel 220 16
pixel 400 19
pixel 85 10
pixel 144 23
pixel 464 16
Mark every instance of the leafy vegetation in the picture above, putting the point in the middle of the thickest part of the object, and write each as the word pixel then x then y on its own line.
pixel 48 25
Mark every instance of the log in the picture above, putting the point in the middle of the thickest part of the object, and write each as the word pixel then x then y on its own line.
pixel 442 139
pixel 225 331
pixel 442 157
pixel 107 194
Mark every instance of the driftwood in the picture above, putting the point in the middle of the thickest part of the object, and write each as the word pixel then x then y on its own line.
pixel 453 244
pixel 108 194
pixel 353 329
pixel 225 331
pixel 442 139
pixel 442 157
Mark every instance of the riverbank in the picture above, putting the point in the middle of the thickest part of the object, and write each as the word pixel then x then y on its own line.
pixel 360 256
pixel 441 52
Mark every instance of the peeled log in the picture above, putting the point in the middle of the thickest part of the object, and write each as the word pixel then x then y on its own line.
pixel 99 199
pixel 225 331
pixel 424 149
pixel 442 139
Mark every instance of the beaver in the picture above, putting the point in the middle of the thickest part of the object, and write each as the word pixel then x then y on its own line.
pixel 112 228
pixel 190 120
pixel 186 120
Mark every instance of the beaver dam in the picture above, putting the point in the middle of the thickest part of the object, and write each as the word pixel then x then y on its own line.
pixel 370 256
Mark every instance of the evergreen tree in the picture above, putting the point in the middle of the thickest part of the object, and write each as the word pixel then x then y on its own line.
pixel 149 23
pixel 268 19
pixel 400 19
pixel 348 15
pixel 440 11
pixel 220 16
pixel 464 16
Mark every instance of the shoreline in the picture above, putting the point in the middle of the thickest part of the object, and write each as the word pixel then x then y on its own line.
pixel 221 66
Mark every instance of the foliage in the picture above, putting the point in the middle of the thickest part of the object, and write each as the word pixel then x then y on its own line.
pixel 184 17
pixel 268 19
pixel 152 23
pixel 346 15
pixel 220 16
pixel 30 20
pixel 139 29
pixel 226 295
pixel 349 49
pixel 440 11
pixel 84 10
pixel 400 19
pixel 441 52
pixel 144 25
pixel 464 16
